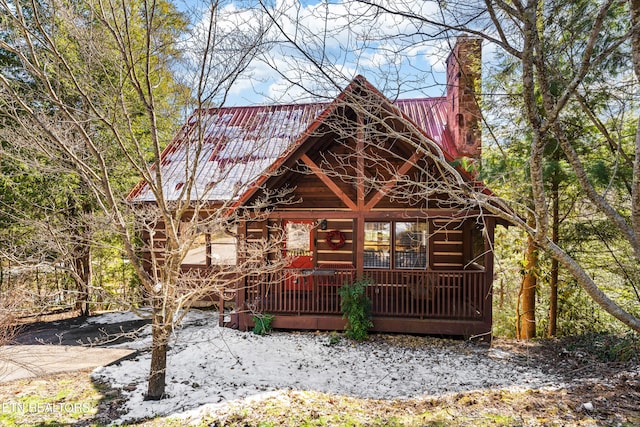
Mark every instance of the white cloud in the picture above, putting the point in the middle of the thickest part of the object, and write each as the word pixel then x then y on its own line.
pixel 345 39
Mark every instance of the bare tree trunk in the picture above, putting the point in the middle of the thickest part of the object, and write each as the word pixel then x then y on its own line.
pixel 161 330
pixel 527 317
pixel 84 277
pixel 553 299
pixel 555 231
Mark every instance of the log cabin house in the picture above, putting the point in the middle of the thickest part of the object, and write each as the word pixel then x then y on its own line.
pixel 369 199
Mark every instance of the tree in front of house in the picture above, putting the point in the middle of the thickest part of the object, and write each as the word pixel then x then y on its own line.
pixel 93 103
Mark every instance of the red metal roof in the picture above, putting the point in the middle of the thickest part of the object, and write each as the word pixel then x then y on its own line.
pixel 240 143
pixel 428 114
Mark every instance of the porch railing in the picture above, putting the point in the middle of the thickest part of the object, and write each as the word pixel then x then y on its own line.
pixel 456 295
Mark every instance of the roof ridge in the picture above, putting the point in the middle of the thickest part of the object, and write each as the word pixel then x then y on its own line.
pixel 316 103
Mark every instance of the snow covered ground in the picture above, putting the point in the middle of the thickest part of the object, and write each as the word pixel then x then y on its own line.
pixel 210 367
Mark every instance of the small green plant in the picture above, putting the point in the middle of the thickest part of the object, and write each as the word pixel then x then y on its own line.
pixel 334 339
pixel 356 308
pixel 262 323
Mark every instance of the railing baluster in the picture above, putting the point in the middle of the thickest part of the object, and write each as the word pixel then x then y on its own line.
pixel 393 293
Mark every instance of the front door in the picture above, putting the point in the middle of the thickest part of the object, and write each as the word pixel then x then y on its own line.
pixel 299 248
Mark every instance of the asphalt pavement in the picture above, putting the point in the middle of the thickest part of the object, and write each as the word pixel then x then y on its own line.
pixel 28 361
pixel 47 348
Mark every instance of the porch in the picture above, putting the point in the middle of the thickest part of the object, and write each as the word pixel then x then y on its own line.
pixel 408 301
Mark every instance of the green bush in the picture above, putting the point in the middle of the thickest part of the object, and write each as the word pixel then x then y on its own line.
pixel 607 347
pixel 356 309
pixel 262 323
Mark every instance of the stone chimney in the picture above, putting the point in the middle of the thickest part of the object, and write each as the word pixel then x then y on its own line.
pixel 464 77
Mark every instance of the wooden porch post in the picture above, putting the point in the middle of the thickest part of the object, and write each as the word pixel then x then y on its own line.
pixel 221 308
pixel 240 286
pixel 359 248
pixel 490 224
pixel 359 244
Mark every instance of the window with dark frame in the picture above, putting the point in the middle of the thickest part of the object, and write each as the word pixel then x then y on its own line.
pixel 411 244
pixel 197 254
pixel 216 248
pixel 396 244
pixel 377 244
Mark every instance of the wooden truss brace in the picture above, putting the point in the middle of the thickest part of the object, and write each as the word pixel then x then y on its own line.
pixel 381 192
pixel 328 182
pixel 389 185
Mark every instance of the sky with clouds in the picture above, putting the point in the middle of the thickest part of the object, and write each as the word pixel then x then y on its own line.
pixel 316 47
